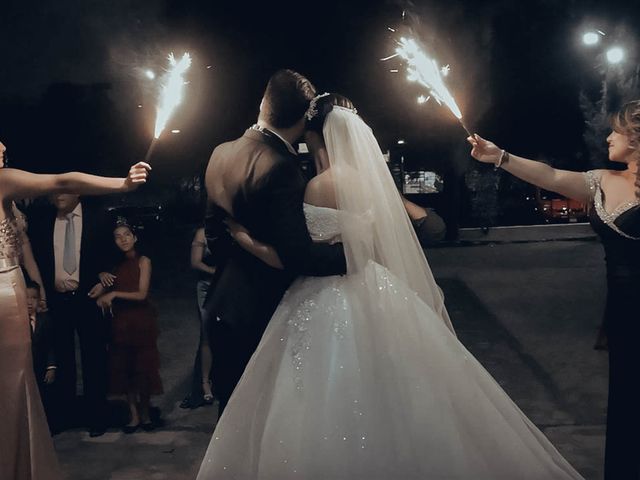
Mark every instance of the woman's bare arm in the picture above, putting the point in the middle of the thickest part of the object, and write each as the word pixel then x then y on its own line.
pixel 197 253
pixel 565 182
pixel 18 184
pixel 264 252
pixel 143 284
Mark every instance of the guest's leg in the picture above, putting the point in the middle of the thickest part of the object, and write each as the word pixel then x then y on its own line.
pixel 64 388
pixel 49 408
pixel 144 408
pixel 194 397
pixel 205 345
pixel 231 352
pixel 205 370
pixel 223 368
pixel 94 364
pixel 134 416
pixel 43 388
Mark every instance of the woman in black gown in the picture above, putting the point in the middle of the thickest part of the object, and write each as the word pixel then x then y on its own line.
pixel 615 216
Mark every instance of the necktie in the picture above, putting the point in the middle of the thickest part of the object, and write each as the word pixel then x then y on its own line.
pixel 69 258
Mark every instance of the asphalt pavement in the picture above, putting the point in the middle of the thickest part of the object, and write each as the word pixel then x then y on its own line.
pixel 529 312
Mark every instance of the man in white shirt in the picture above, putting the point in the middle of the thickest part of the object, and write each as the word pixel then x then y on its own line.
pixel 71 245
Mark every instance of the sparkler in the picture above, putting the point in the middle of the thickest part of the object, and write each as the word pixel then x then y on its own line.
pixel 426 72
pixel 170 96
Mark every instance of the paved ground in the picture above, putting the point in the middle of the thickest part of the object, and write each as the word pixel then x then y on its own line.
pixel 528 311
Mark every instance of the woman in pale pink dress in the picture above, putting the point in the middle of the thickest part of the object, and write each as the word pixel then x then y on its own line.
pixel 26 449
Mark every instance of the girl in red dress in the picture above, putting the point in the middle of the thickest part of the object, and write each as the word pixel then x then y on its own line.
pixel 133 353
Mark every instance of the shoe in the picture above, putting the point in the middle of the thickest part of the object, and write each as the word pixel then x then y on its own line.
pixel 130 428
pixel 148 426
pixel 190 403
pixel 97 431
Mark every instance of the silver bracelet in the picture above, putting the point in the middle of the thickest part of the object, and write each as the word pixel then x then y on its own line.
pixel 504 158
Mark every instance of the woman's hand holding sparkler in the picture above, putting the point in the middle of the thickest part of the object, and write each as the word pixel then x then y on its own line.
pixel 138 175
pixel 483 150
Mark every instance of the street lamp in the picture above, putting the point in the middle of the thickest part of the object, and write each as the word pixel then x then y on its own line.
pixel 590 38
pixel 150 75
pixel 615 55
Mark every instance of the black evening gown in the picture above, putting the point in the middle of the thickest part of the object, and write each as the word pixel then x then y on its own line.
pixel 619 232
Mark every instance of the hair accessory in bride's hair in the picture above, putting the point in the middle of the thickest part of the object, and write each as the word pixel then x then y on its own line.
pixel 312 111
pixel 346 109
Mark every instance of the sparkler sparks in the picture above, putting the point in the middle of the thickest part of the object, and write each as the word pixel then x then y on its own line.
pixel 426 72
pixel 172 91
pixel 170 97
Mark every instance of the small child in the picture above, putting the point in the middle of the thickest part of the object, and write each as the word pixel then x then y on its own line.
pixel 44 362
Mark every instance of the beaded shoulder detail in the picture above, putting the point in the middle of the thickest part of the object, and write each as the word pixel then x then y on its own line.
pixel 609 218
pixel 592 179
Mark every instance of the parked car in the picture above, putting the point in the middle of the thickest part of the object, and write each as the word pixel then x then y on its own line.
pixel 558 209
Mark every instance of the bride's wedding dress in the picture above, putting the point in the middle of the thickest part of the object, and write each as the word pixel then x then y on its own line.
pixel 341 389
pixel 361 377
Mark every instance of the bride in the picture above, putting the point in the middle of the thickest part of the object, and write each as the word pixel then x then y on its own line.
pixel 361 376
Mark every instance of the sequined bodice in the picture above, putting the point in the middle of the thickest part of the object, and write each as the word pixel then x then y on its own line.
pixel 322 223
pixel 593 182
pixel 622 252
pixel 10 246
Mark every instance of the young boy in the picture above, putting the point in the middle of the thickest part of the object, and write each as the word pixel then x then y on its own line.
pixel 44 363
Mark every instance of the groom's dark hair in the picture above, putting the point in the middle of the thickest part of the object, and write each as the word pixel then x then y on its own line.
pixel 286 98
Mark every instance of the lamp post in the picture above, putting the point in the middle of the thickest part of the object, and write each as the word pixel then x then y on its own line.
pixel 614 55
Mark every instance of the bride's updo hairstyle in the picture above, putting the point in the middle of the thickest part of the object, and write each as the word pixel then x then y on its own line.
pixel 320 108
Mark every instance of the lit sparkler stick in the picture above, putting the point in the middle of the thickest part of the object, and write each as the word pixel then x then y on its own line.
pixel 426 72
pixel 170 96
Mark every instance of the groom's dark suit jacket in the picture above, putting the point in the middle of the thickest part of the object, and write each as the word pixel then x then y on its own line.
pixel 267 192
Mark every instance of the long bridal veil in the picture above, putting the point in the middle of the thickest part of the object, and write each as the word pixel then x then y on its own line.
pixel 366 192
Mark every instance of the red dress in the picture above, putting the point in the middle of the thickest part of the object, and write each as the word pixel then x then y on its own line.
pixel 134 360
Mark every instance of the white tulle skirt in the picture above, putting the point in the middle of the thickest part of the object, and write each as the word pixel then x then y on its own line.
pixel 357 378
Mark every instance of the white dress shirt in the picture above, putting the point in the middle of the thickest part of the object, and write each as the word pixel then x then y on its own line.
pixel 287 144
pixel 267 131
pixel 64 281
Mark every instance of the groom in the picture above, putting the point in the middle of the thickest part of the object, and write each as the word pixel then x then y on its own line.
pixel 257 181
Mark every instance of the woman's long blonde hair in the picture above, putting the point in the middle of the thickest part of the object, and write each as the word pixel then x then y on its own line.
pixel 627 122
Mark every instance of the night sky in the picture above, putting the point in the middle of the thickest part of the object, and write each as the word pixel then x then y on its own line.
pixel 72 75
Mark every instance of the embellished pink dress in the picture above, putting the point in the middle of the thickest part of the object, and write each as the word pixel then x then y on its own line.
pixel 26 449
